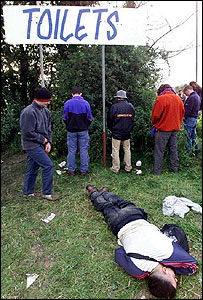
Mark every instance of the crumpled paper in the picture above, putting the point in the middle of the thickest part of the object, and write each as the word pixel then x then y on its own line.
pixel 179 206
pixel 62 164
pixel 30 279
pixel 49 218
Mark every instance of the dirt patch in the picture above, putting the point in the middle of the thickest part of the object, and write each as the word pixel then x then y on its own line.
pixel 14 159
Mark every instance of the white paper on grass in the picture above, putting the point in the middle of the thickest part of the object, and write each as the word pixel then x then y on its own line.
pixel 49 218
pixel 62 164
pixel 30 279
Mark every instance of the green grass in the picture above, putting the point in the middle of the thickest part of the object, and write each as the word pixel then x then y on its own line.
pixel 74 254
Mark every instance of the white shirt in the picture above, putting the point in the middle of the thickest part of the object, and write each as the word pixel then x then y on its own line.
pixel 144 238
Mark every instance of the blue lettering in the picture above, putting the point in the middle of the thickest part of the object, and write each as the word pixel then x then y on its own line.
pixel 115 13
pixel 46 11
pixel 99 11
pixel 78 27
pixel 30 11
pixel 57 23
pixel 62 27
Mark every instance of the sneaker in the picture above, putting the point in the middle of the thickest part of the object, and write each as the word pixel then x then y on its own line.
pixel 52 197
pixel 32 195
pixel 128 171
pixel 113 170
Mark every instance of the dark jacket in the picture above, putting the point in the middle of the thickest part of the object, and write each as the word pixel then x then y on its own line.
pixel 35 124
pixel 120 119
pixel 77 114
pixel 180 261
pixel 192 106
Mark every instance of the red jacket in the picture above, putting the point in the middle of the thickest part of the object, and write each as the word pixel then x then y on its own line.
pixel 168 112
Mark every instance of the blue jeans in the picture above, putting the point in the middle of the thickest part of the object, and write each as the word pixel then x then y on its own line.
pixel 190 126
pixel 117 211
pixel 37 158
pixel 75 139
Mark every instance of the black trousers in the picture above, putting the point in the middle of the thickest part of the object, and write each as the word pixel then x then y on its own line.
pixel 117 211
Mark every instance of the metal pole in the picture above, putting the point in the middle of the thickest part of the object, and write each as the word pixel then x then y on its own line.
pixel 41 64
pixel 41 57
pixel 103 98
pixel 196 41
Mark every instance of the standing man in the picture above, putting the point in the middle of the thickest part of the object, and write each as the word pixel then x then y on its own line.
pixel 192 107
pixel 120 121
pixel 77 117
pixel 35 124
pixel 167 116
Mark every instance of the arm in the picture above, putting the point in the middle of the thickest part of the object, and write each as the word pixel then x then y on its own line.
pixel 126 263
pixel 27 124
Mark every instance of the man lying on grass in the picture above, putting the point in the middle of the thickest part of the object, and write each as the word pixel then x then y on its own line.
pixel 146 251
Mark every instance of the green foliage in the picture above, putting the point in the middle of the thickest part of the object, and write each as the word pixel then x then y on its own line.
pixel 59 134
pixel 199 126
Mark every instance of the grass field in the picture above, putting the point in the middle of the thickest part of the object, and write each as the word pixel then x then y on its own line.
pixel 74 253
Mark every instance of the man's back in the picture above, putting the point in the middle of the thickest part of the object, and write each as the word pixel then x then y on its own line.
pixel 168 112
pixel 121 119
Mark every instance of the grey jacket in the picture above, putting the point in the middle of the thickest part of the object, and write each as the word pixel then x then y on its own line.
pixel 35 124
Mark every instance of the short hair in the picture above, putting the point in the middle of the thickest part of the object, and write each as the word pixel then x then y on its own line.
pixel 187 87
pixel 162 88
pixel 160 287
pixel 76 90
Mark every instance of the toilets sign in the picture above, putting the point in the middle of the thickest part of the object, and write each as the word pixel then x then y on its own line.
pixel 73 25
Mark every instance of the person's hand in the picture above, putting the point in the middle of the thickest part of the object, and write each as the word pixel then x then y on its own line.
pixel 47 148
pixel 45 141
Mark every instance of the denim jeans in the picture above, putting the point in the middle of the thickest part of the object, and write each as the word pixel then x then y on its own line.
pixel 75 139
pixel 117 211
pixel 190 126
pixel 37 158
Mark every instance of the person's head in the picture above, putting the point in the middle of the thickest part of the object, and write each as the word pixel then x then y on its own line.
pixel 76 91
pixel 194 85
pixel 162 88
pixel 162 282
pixel 120 95
pixel 188 89
pixel 43 97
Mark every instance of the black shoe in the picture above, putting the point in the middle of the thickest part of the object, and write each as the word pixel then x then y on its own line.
pixel 104 189
pixel 71 173
pixel 84 173
pixel 91 189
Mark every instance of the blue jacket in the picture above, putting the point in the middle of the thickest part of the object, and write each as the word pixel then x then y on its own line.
pixel 77 114
pixel 180 261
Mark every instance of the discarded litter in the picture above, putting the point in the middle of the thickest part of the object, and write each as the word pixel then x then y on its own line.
pixel 30 279
pixel 139 172
pixel 49 218
pixel 59 172
pixel 138 163
pixel 62 164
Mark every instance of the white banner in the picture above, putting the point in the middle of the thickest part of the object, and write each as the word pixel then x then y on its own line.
pixel 74 25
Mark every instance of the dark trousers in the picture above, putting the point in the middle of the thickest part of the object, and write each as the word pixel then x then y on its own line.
pixel 163 139
pixel 117 211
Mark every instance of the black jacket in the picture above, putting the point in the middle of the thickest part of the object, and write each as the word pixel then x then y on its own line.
pixel 120 119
